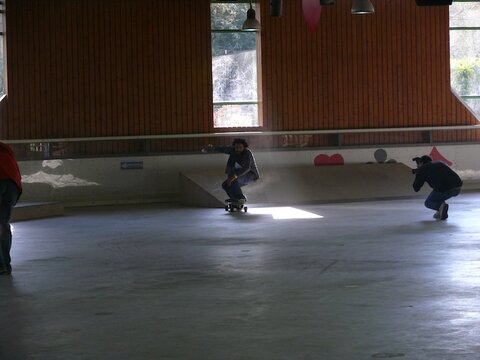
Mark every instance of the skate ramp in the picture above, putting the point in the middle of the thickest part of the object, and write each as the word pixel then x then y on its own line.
pixel 36 210
pixel 306 184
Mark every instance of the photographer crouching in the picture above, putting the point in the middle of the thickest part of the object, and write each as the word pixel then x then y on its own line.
pixel 444 181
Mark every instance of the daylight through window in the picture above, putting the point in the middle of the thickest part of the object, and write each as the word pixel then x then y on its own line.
pixel 465 52
pixel 234 66
pixel 2 49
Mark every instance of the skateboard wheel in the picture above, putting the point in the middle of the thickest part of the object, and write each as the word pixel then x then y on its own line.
pixel 245 209
pixel 226 207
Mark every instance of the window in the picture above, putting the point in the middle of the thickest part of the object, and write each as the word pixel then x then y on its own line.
pixel 465 52
pixel 234 66
pixel 2 50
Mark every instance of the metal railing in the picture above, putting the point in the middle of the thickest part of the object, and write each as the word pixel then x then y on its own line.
pixel 247 133
pixel 142 145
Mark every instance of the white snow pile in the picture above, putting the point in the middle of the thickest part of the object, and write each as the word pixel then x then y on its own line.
pixel 56 181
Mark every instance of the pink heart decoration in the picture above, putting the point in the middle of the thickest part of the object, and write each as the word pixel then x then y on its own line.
pixel 323 159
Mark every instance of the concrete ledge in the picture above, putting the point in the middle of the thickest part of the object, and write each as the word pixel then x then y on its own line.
pixel 471 185
pixel 31 210
pixel 307 184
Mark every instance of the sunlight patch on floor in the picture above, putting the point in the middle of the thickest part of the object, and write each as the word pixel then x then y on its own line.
pixel 284 213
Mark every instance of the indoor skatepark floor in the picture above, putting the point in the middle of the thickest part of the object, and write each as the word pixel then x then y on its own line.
pixel 334 281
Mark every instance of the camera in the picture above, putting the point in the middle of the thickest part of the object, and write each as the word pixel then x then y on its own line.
pixel 421 161
pixel 418 160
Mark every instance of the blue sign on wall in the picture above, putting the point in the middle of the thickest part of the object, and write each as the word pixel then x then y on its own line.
pixel 131 165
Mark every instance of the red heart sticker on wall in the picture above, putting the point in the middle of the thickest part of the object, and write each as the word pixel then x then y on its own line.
pixel 323 159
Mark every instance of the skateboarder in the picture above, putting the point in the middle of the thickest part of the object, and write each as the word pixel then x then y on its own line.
pixel 10 190
pixel 241 169
pixel 444 181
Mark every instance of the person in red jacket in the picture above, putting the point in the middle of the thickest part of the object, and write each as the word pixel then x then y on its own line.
pixel 10 190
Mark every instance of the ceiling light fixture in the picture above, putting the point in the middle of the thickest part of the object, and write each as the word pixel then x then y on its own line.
pixel 361 7
pixel 251 24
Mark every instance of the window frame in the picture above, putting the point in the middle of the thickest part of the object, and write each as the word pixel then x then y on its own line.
pixel 465 28
pixel 258 68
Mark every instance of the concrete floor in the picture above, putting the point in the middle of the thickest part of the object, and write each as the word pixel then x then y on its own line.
pixel 368 280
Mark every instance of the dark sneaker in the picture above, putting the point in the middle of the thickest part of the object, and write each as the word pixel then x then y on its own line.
pixel 437 215
pixel 443 211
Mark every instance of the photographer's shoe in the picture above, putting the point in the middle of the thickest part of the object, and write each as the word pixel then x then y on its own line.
pixel 443 211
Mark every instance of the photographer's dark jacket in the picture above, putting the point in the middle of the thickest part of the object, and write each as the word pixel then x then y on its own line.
pixel 438 175
pixel 245 161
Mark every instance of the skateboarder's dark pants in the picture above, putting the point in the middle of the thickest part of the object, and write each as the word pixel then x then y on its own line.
pixel 8 198
pixel 234 190
pixel 436 198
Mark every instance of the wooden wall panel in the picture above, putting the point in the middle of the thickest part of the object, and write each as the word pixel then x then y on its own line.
pixel 143 67
pixel 390 69
pixel 108 68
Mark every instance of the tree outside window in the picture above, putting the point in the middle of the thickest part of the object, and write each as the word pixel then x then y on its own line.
pixel 465 52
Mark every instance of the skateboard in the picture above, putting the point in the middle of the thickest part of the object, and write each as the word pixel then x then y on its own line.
pixel 236 206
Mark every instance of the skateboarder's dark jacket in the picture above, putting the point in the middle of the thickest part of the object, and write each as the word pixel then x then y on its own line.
pixel 438 175
pixel 245 160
